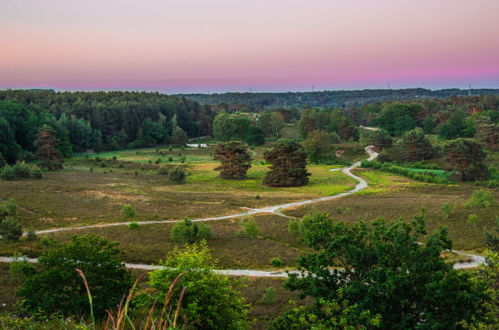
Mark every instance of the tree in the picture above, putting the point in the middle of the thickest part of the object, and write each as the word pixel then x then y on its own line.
pixel 57 288
pixel 386 271
pixel 397 118
pixel 288 167
pixel 187 231
pixel 416 146
pixel 379 138
pixel 488 134
pixel 10 229
pixel 456 126
pixel 466 157
pixel 178 138
pixel 318 146
pixel 211 300
pixel 47 152
pixel 254 136
pixel 234 158
pixel 9 149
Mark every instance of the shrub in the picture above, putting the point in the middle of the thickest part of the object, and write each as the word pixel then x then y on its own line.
pixel 473 220
pixel 21 170
pixel 8 208
pixel 187 231
pixel 7 173
pixel 294 227
pixel 128 211
pixel 276 262
pixel 177 175
pixel 35 172
pixel 250 227
pixel 182 159
pixel 268 297
pixel 446 211
pixel 31 236
pixel 164 170
pixel 133 225
pixel 480 198
pixel 120 165
pixel 170 159
pixel 10 229
pixel 102 164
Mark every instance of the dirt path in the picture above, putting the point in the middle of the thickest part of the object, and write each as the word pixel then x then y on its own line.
pixel 474 261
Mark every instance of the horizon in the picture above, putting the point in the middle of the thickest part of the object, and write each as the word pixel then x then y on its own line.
pixel 226 46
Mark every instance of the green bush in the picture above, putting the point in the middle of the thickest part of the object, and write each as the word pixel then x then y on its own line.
pixel 294 227
pixel 8 208
pixel 21 170
pixel 187 231
pixel 481 198
pixel 10 229
pixel 128 211
pixel 164 170
pixel 446 211
pixel 250 227
pixel 133 225
pixel 35 172
pixel 277 262
pixel 7 173
pixel 31 236
pixel 473 220
pixel 177 175
pixel 268 297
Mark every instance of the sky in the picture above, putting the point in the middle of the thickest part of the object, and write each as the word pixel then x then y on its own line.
pixel 177 46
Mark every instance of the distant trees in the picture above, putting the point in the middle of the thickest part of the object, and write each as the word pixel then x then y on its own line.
pixel 234 158
pixel 397 118
pixel 379 138
pixel 456 126
pixel 288 169
pixel 329 120
pixel 319 147
pixel 385 272
pixel 271 123
pixel 466 157
pixel 237 127
pixel 416 146
pixel 186 231
pixel 47 152
pixel 488 134
pixel 57 287
pixel 178 138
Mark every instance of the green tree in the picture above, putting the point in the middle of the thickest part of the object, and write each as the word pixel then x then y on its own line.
pixel 211 301
pixel 187 231
pixel 466 158
pixel 456 126
pixel 416 146
pixel 385 271
pixel 57 288
pixel 319 147
pixel 379 138
pixel 488 134
pixel 234 158
pixel 10 229
pixel 178 138
pixel 49 155
pixel 288 167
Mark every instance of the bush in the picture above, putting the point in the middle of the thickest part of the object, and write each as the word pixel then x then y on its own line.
pixel 268 297
pixel 446 211
pixel 187 231
pixel 177 175
pixel 277 262
pixel 294 227
pixel 481 198
pixel 7 173
pixel 10 229
pixel 8 208
pixel 250 227
pixel 35 172
pixel 57 288
pixel 164 170
pixel 473 220
pixel 128 211
pixel 31 236
pixel 133 225
pixel 21 170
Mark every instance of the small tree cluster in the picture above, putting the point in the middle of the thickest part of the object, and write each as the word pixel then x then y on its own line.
pixel 10 229
pixel 177 175
pixel 187 231
pixel 289 161
pixel 466 158
pixel 234 158
pixel 319 147
pixel 48 154
pixel 416 146
pixel 19 171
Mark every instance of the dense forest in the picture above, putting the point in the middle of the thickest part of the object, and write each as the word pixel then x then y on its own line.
pixel 329 99
pixel 97 120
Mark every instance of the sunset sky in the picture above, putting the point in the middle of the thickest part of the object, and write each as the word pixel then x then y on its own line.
pixel 233 45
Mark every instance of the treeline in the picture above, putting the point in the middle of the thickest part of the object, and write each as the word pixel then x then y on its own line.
pixel 97 120
pixel 328 99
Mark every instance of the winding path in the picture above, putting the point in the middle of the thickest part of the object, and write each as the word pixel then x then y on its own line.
pixel 474 260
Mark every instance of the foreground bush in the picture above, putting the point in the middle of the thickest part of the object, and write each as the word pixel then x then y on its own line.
pixel 57 287
pixel 187 231
pixel 19 171
pixel 211 300
pixel 10 229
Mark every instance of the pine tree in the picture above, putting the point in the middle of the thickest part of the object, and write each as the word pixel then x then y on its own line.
pixel 234 158
pixel 466 157
pixel 289 162
pixel 50 157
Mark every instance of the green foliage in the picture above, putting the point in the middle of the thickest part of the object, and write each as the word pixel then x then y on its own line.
pixel 294 227
pixel 397 118
pixel 164 170
pixel 211 300
pixel 386 272
pixel 288 169
pixel 237 127
pixel 8 208
pixel 57 288
pixel 133 225
pixel 473 220
pixel 481 199
pixel 19 171
pixel 379 138
pixel 31 235
pixel 10 229
pixel 416 146
pixel 277 262
pixel 426 176
pixel 335 314
pixel 49 155
pixel 250 227
pixel 268 297
pixel 128 211
pixel 446 211
pixel 234 158
pixel 456 126
pixel 177 175
pixel 318 146
pixel 187 231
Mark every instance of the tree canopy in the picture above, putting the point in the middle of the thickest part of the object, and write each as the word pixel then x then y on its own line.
pixel 289 161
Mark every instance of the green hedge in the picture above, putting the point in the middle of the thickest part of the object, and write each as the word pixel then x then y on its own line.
pixel 425 176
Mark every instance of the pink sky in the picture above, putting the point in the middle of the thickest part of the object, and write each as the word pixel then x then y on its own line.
pixel 232 45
